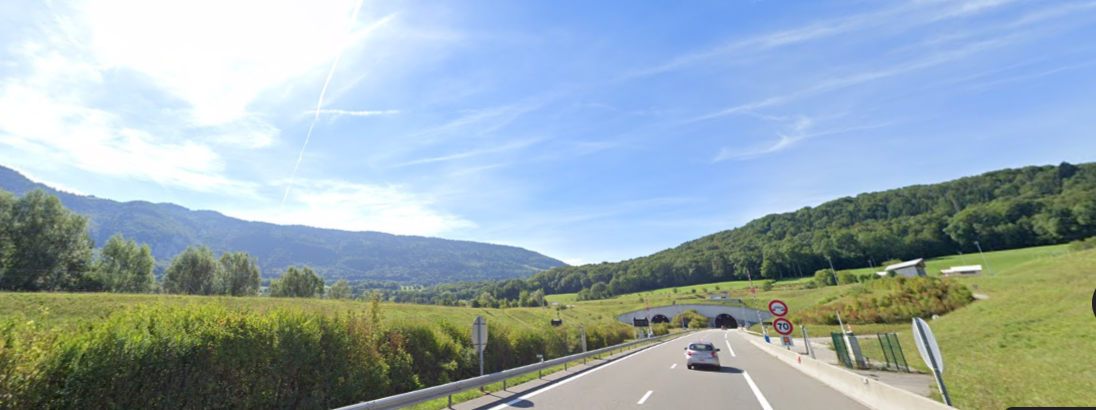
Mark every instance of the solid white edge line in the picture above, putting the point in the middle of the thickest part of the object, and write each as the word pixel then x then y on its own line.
pixel 533 394
pixel 672 367
pixel 760 398
pixel 730 348
pixel 645 396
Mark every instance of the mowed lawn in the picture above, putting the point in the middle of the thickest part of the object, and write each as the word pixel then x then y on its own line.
pixel 1032 343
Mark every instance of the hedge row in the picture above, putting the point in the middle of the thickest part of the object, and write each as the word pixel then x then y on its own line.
pixel 208 357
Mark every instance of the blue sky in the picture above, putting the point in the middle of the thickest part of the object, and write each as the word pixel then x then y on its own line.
pixel 587 131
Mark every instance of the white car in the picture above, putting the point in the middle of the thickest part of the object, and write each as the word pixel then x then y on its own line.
pixel 701 354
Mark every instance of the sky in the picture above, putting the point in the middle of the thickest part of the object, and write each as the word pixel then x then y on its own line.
pixel 586 131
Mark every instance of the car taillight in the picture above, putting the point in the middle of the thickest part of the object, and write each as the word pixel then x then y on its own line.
pixel 713 354
pixel 688 353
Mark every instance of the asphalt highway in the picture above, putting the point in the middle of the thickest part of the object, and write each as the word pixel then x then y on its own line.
pixel 656 378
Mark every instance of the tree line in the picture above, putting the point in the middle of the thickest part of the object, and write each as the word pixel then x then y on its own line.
pixel 1007 209
pixel 46 247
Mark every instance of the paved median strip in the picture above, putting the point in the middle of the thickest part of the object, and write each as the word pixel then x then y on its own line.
pixel 645 396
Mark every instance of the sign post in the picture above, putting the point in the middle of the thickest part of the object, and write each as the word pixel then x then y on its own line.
pixel 930 351
pixel 479 338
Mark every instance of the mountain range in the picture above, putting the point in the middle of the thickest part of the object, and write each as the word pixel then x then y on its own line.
pixel 357 256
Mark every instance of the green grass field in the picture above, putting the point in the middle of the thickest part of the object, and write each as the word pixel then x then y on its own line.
pixel 1031 343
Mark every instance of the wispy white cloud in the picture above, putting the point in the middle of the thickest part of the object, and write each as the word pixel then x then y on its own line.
pixel 99 142
pixel 473 153
pixel 862 77
pixel 340 113
pixel 901 16
pixel 1027 77
pixel 789 139
pixel 487 120
pixel 336 204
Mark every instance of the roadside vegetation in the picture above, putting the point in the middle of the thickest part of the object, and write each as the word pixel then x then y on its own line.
pixel 115 351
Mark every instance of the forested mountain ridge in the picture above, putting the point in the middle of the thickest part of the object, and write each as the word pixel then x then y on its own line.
pixel 1004 209
pixel 169 229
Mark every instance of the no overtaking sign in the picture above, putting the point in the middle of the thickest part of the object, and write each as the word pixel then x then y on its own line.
pixel 778 308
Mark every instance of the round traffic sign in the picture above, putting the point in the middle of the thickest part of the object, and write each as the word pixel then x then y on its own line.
pixel 783 326
pixel 778 308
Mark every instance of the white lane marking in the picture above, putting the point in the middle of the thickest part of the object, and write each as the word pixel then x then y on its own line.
pixel 533 394
pixel 760 398
pixel 672 367
pixel 645 396
pixel 730 348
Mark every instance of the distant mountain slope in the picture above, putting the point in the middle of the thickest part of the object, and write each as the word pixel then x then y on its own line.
pixel 356 256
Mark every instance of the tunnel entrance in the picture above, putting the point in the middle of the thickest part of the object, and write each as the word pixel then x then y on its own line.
pixel 660 319
pixel 726 320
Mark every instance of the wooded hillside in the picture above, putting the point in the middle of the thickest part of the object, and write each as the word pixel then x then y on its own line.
pixel 1005 209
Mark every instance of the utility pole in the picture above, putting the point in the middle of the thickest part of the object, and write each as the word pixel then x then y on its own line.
pixel 757 306
pixel 984 260
pixel 834 271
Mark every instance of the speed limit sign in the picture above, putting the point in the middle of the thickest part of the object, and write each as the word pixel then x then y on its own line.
pixel 783 326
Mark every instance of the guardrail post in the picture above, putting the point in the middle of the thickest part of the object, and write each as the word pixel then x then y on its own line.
pixel 564 366
pixel 450 401
pixel 503 385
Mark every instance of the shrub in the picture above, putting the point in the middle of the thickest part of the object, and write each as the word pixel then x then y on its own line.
pixel 692 318
pixel 892 300
pixel 846 277
pixel 823 278
pixel 1083 245
pixel 766 285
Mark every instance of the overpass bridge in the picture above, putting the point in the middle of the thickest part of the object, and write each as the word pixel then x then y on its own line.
pixel 732 315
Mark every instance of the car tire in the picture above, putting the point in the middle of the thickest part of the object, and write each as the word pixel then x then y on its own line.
pixel 690 367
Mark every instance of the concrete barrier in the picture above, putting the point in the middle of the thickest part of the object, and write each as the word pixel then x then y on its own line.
pixel 871 393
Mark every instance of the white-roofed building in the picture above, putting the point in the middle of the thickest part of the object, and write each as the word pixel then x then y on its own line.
pixel 909 269
pixel 962 271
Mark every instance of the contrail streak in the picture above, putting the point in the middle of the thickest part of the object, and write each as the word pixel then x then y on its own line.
pixel 319 104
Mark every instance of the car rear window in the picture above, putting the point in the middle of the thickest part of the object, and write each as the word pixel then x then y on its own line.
pixel 702 348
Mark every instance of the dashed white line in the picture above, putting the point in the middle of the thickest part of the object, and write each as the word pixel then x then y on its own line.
pixel 672 367
pixel 645 396
pixel 760 398
pixel 731 349
pixel 581 375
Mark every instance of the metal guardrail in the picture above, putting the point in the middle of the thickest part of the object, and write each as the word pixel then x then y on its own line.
pixel 437 392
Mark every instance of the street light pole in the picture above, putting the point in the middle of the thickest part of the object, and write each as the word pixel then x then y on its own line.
pixel 833 271
pixel 984 260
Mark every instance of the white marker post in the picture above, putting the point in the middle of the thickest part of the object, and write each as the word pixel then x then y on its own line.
pixel 930 351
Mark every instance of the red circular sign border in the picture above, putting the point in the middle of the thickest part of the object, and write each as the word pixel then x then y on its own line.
pixel 789 325
pixel 782 303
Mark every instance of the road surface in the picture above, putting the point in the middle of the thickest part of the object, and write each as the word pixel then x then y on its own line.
pixel 656 378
